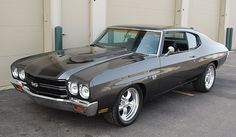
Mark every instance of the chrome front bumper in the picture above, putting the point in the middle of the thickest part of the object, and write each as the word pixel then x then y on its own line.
pixel 89 109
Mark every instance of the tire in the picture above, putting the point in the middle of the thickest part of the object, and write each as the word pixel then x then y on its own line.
pixel 124 113
pixel 206 81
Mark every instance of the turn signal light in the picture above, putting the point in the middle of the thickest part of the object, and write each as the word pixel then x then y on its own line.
pixel 103 110
pixel 79 108
pixel 19 88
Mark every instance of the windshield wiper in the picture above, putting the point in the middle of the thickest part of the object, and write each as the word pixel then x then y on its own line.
pixel 96 45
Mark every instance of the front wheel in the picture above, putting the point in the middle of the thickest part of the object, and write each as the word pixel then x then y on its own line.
pixel 127 107
pixel 206 81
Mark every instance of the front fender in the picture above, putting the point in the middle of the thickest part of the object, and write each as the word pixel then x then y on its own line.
pixel 106 87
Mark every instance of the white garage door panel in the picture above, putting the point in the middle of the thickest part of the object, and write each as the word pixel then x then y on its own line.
pixel 199 19
pixel 21 41
pixel 21 32
pixel 14 12
pixel 159 12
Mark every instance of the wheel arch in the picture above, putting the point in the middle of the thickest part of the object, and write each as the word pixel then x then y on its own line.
pixel 142 86
pixel 143 89
pixel 215 62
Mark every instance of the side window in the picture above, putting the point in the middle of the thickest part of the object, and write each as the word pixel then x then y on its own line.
pixel 178 40
pixel 192 41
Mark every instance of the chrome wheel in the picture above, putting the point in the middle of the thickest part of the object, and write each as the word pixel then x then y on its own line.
pixel 129 104
pixel 210 77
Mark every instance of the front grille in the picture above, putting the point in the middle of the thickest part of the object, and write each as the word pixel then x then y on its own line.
pixel 47 87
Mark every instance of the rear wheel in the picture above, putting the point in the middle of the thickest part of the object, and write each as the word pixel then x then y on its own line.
pixel 127 107
pixel 206 81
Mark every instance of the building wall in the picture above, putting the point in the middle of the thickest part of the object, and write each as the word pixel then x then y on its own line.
pixel 232 21
pixel 161 12
pixel 98 18
pixel 75 22
pixel 21 33
pixel 204 16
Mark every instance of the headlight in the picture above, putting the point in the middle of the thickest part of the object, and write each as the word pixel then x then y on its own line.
pixel 84 91
pixel 73 88
pixel 15 73
pixel 22 75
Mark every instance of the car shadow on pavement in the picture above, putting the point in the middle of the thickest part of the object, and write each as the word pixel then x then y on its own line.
pixel 154 107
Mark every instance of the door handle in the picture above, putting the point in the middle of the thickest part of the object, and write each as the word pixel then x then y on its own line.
pixel 192 56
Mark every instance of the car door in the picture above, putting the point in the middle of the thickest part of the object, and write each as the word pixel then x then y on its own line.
pixel 194 43
pixel 176 68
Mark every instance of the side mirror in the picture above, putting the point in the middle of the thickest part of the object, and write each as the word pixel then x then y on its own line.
pixel 170 50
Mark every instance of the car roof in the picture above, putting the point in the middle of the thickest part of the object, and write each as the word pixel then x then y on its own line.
pixel 150 27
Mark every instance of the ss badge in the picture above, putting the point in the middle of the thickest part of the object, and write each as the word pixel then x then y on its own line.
pixel 34 84
pixel 154 77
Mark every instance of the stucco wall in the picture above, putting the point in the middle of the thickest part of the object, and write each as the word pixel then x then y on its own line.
pixel 204 16
pixel 21 33
pixel 161 12
pixel 232 21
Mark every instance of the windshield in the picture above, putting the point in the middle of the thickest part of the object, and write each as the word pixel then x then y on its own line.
pixel 145 42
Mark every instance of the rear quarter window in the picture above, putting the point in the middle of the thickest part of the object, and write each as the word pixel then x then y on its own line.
pixel 192 41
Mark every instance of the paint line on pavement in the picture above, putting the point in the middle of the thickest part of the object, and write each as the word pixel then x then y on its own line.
pixel 184 93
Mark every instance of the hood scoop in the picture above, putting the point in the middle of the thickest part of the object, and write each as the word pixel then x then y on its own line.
pixel 80 60
pixel 86 58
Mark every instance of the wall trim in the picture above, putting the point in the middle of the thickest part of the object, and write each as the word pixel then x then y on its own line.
pixel 52 18
pixel 224 19
pixel 48 38
pixel 181 13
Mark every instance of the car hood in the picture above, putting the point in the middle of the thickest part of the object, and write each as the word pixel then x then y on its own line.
pixel 62 64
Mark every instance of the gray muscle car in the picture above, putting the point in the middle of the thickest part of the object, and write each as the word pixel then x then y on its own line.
pixel 124 67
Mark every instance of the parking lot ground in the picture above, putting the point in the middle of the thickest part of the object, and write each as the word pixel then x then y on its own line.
pixel 175 114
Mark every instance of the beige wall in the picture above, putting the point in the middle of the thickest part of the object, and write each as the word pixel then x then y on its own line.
pixel 204 16
pixel 232 21
pixel 21 32
pixel 159 12
pixel 75 23
pixel 98 18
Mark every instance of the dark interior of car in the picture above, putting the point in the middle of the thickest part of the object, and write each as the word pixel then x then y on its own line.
pixel 178 44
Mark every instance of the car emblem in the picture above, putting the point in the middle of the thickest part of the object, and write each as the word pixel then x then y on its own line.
pixel 34 84
pixel 154 77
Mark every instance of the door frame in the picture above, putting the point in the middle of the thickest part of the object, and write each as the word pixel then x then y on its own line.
pixel 52 18
pixel 47 24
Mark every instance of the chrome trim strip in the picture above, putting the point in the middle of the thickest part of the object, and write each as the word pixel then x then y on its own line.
pixel 160 44
pixel 152 30
pixel 227 54
pixel 18 82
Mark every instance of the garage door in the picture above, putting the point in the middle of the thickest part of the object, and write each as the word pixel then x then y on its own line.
pixel 200 12
pixel 21 32
pixel 159 12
